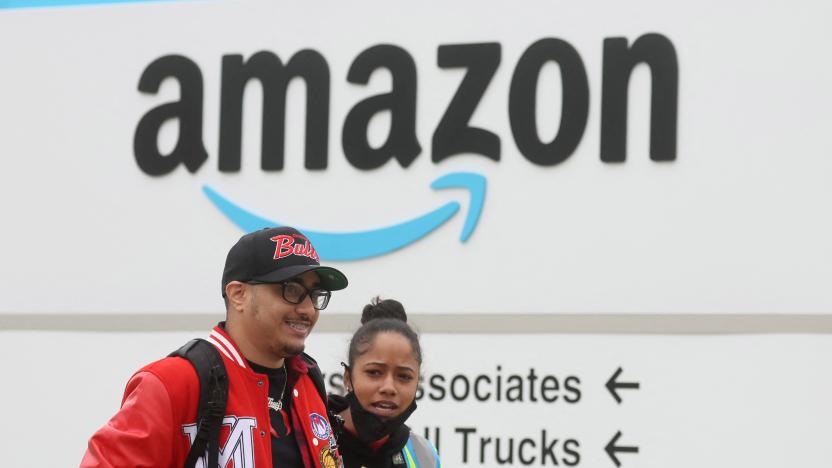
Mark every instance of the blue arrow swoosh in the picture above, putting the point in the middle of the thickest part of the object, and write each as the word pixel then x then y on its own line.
pixel 371 243
pixel 11 4
pixel 475 184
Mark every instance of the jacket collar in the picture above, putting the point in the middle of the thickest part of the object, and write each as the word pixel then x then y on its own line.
pixel 224 344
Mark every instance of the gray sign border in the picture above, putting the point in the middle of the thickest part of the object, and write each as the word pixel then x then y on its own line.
pixel 685 324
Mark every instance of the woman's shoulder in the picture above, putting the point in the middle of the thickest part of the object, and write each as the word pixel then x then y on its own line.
pixel 422 450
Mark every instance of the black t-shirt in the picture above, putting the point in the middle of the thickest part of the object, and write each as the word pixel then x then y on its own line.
pixel 285 451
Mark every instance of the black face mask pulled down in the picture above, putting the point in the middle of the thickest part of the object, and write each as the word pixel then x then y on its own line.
pixel 370 427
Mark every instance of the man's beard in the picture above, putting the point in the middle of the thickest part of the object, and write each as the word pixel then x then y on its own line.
pixel 293 350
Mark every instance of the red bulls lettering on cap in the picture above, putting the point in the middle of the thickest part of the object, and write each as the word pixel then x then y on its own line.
pixel 286 246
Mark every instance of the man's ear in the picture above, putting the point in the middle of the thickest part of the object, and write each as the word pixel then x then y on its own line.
pixel 235 292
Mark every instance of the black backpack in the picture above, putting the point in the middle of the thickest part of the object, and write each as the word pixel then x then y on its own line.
pixel 213 396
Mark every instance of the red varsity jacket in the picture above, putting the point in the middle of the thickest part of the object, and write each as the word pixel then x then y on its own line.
pixel 157 420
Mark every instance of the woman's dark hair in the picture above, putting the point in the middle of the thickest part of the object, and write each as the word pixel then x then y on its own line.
pixel 380 316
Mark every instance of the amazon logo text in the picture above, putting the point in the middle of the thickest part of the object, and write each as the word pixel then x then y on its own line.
pixel 453 133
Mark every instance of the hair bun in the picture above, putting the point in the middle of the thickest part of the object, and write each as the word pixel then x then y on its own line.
pixel 383 308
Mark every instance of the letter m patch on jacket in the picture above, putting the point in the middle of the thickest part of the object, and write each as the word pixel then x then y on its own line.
pixel 239 446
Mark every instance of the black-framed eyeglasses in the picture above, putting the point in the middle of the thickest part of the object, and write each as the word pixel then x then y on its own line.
pixel 294 292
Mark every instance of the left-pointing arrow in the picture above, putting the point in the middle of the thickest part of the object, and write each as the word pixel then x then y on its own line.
pixel 613 385
pixel 613 449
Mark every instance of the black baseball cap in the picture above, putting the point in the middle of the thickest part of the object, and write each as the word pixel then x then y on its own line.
pixel 272 255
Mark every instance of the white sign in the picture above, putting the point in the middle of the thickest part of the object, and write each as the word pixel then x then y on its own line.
pixel 718 401
pixel 549 157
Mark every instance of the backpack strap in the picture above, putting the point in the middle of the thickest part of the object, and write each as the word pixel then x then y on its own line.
pixel 213 396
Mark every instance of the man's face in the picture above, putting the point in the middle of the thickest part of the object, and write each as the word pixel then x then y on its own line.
pixel 275 326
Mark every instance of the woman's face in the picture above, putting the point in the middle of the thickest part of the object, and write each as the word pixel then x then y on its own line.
pixel 385 377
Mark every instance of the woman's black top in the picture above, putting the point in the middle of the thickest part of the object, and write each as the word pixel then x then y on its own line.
pixel 357 454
